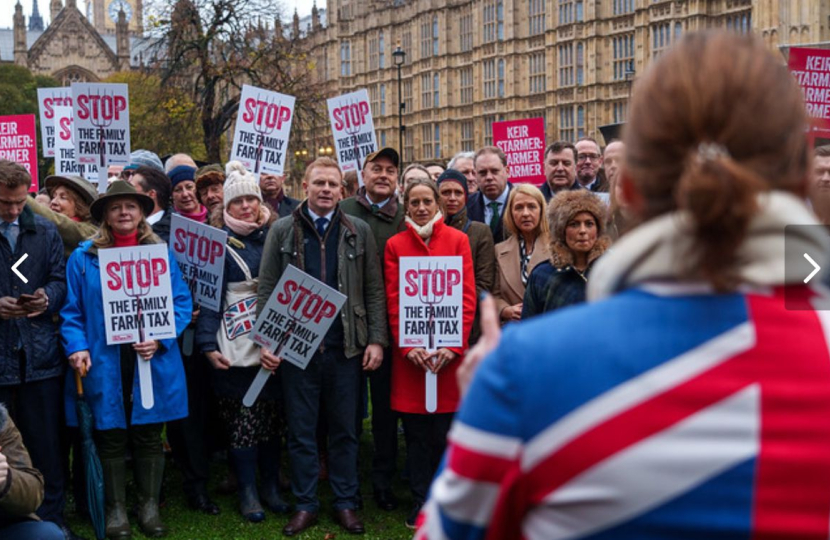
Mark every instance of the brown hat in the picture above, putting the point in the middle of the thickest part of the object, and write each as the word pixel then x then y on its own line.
pixel 79 185
pixel 386 152
pixel 117 190
pixel 561 210
pixel 209 175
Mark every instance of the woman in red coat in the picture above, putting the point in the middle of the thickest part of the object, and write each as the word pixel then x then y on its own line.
pixel 426 433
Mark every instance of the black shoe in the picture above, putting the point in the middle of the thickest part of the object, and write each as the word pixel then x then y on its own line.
pixel 413 515
pixel 385 500
pixel 68 534
pixel 202 503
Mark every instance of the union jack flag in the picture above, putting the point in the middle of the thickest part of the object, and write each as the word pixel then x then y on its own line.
pixel 239 318
pixel 647 417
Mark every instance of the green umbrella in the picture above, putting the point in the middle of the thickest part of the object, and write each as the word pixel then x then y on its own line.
pixel 92 465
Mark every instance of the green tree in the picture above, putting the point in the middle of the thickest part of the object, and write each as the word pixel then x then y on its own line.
pixel 211 48
pixel 18 95
pixel 163 118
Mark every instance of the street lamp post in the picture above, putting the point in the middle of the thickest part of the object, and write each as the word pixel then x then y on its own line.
pixel 399 57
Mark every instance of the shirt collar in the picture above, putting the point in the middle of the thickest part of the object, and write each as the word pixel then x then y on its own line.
pixel 380 204
pixel 152 219
pixel 501 199
pixel 315 217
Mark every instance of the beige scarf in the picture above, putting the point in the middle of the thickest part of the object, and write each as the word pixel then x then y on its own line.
pixel 658 250
pixel 424 232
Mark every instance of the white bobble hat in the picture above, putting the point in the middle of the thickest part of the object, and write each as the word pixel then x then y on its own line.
pixel 239 182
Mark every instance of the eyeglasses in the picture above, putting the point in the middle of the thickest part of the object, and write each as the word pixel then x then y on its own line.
pixel 586 157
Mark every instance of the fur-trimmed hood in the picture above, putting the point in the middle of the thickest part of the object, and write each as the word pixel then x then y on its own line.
pixel 561 210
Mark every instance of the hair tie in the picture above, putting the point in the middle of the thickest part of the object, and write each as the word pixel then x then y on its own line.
pixel 710 151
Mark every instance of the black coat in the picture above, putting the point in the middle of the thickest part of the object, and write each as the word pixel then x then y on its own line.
pixel 44 267
pixel 475 212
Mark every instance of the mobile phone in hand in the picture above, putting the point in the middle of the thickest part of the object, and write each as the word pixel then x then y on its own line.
pixel 24 299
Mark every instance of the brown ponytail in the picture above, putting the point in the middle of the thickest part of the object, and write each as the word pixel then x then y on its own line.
pixel 713 123
pixel 721 196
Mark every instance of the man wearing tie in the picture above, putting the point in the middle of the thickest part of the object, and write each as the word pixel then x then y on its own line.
pixel 319 239
pixel 488 203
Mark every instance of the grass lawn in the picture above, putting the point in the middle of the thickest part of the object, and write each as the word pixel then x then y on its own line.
pixel 185 523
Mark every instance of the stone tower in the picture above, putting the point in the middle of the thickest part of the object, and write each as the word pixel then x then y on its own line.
pixel 20 48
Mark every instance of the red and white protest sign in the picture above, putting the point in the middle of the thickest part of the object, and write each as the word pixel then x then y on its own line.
pixel 431 302
pixel 137 296
pixel 48 99
pixel 353 130
pixel 297 316
pixel 200 251
pixel 18 143
pixel 101 125
pixel 811 68
pixel 65 162
pixel 263 124
pixel 523 142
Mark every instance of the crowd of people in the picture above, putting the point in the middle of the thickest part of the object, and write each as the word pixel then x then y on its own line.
pixel 526 251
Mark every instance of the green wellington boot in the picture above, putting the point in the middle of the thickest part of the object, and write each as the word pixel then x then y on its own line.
pixel 148 475
pixel 115 494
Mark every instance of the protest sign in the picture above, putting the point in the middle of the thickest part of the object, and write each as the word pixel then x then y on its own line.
pixel 18 143
pixel 263 124
pixel 65 162
pixel 811 68
pixel 101 126
pixel 431 302
pixel 523 142
pixel 297 316
pixel 353 130
pixel 200 251
pixel 48 99
pixel 137 295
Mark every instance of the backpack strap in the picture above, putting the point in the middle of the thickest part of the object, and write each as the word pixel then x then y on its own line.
pixel 241 262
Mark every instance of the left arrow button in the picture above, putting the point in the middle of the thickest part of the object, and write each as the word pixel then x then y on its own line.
pixel 18 263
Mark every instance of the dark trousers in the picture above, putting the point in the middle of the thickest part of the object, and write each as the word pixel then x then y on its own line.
pixel 37 409
pixel 426 440
pixel 384 424
pixel 144 439
pixel 331 374
pixel 188 437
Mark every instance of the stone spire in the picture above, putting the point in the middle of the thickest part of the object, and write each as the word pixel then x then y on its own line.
pixel 122 41
pixel 315 17
pixel 20 49
pixel 295 26
pixel 35 20
pixel 54 8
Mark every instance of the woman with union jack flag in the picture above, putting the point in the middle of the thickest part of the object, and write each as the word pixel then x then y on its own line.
pixel 223 337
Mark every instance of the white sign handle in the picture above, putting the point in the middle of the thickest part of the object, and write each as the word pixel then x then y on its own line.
pixel 103 176
pixel 145 382
pixel 256 387
pixel 431 391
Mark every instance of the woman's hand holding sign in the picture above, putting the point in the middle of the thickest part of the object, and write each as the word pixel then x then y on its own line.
pixel 420 357
pixel 440 359
pixel 146 349
pixel 217 360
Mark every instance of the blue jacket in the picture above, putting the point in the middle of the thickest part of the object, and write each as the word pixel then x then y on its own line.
pixel 83 329
pixel 550 288
pixel 44 267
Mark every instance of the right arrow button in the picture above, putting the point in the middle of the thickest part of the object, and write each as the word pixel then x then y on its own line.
pixel 815 271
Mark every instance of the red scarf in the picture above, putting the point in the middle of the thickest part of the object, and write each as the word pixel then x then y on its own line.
pixel 200 215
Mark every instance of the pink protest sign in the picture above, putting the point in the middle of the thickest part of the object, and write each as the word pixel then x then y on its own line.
pixel 811 68
pixel 18 143
pixel 523 142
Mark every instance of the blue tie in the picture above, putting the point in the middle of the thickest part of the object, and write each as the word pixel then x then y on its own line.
pixel 321 223
pixel 10 231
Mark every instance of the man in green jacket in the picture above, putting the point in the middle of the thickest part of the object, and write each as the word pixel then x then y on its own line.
pixel 319 239
pixel 376 204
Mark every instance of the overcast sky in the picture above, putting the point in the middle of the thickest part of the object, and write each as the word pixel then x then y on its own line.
pixel 7 9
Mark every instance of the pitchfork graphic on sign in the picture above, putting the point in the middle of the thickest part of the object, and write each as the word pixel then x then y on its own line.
pixel 101 123
pixel 352 129
pixel 431 298
pixel 300 313
pixel 263 130
pixel 133 289
pixel 191 253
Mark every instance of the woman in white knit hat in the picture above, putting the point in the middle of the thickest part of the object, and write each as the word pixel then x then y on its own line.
pixel 223 337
